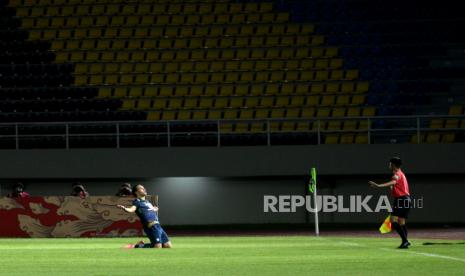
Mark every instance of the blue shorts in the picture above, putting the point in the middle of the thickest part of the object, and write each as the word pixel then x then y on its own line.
pixel 156 234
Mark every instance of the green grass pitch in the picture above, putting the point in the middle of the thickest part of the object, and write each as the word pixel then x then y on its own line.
pixel 260 255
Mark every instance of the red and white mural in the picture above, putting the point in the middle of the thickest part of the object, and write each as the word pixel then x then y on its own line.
pixel 66 216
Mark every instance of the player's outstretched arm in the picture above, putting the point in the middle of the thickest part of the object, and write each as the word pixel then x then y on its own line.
pixel 131 209
pixel 387 184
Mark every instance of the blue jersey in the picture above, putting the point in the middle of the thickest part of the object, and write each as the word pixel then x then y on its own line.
pixel 145 211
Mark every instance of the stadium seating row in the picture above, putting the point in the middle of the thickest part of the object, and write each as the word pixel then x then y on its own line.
pixel 171 31
pixel 259 113
pixel 181 43
pixel 287 126
pixel 434 138
pixel 73 21
pixel 46 9
pixel 449 123
pixel 196 55
pixel 457 110
pixel 236 102
pixel 218 77
pixel 204 66
pixel 236 89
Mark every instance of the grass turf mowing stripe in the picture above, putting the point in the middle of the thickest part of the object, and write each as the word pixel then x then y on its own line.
pixel 251 255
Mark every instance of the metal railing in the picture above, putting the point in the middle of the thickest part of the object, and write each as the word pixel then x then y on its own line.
pixel 266 132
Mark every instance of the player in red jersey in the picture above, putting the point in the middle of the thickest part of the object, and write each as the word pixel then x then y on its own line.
pixel 402 202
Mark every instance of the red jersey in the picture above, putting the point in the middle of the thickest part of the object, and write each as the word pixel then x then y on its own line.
pixel 401 187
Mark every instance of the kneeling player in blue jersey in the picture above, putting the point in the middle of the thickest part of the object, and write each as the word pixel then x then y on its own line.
pixel 147 214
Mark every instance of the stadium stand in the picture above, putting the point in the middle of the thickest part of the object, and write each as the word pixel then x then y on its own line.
pixel 203 65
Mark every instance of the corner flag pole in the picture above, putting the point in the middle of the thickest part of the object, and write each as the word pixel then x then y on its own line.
pixel 312 189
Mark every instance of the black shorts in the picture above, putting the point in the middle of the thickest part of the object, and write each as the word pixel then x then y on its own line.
pixel 401 206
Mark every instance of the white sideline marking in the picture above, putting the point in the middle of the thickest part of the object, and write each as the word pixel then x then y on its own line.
pixel 407 251
pixel 428 255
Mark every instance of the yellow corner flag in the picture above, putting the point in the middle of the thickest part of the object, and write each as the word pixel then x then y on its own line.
pixel 386 226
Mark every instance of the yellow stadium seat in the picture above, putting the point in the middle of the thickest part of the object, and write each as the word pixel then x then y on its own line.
pixel 141 68
pixel 362 87
pixel 184 115
pixel 361 139
pixel 199 115
pixel 313 100
pixel 437 123
pixel 129 104
pixel 349 125
pixel 153 116
pixel 455 110
pixel 80 68
pixel 166 91
pixel 351 75
pixel 97 9
pixel 323 112
pixel 230 114
pixel 328 100
pixel 221 102
pixel 369 111
pixel 448 138
pixel 282 101
pixel 120 92
pixel 168 115
pixel 358 99
pixel 190 103
pixel 150 91
pixel 104 92
pixel 257 89
pixel 363 125
pixel 242 90
pixel 135 92
pixel 206 103
pixel 246 114
pixel 214 114
pixel 210 90
pixel 331 139
pixel 143 104
pixel 452 123
pixel 258 127
pixel 262 113
pixel 339 112
pixel 37 11
pixel 293 113
pixel 175 103
pixel 142 79
pixel 343 100
pixel 160 103
pixel 251 102
pixel 80 80
pixel 336 74
pixel 353 112
pixel 224 127
pixel 287 126
pixel 277 113
pixel 236 102
pixel 432 138
pixel 346 139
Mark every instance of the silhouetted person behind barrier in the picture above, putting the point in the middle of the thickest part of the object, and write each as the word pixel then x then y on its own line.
pixel 79 190
pixel 125 190
pixel 18 191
